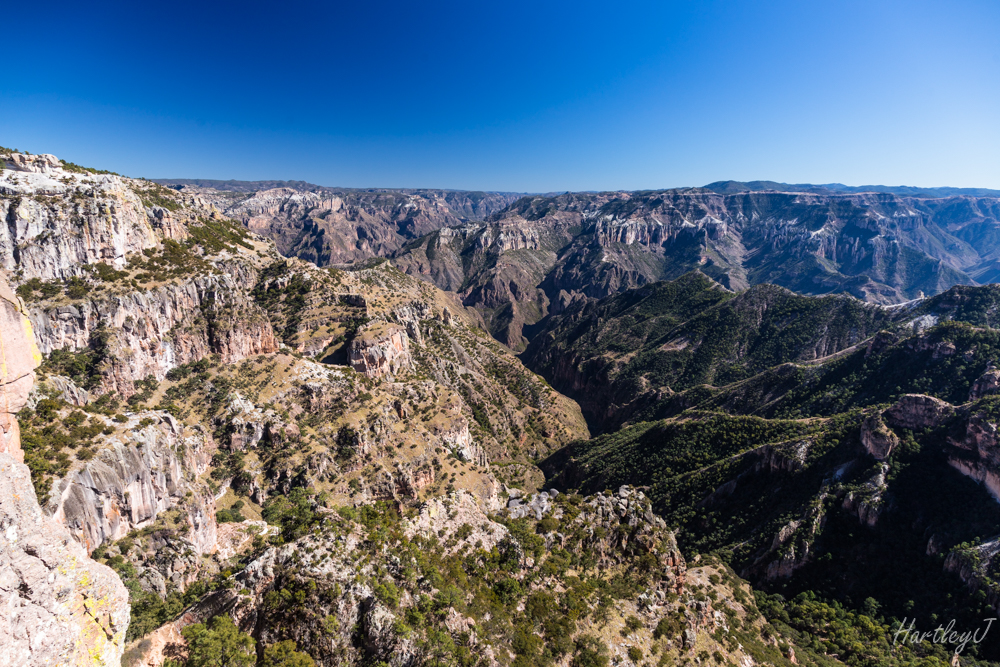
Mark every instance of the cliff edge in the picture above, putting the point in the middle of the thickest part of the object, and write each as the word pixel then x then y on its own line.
pixel 59 607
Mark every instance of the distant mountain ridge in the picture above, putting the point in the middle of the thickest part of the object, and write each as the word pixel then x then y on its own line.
pixel 736 187
pixel 720 187
pixel 520 258
pixel 332 226
pixel 233 185
pixel 540 254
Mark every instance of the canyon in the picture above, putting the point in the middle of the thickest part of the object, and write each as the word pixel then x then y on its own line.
pixel 298 410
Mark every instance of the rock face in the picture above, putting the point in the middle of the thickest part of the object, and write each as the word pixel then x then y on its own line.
pixel 59 607
pixel 877 438
pixel 987 384
pixel 148 470
pixel 973 566
pixel 157 303
pixel 917 411
pixel 542 252
pixel 381 350
pixel 150 332
pixel 35 164
pixel 867 503
pixel 60 221
pixel 19 356
pixel 331 226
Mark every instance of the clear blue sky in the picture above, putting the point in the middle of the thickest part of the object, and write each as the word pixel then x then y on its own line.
pixel 523 96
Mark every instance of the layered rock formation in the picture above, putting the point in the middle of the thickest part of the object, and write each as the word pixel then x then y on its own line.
pixel 336 226
pixel 19 356
pixel 59 221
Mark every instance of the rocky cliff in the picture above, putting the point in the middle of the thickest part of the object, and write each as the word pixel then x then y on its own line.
pixel 380 351
pixel 541 253
pixel 61 220
pixel 337 226
pixel 141 277
pixel 150 465
pixel 59 606
pixel 148 332
pixel 19 356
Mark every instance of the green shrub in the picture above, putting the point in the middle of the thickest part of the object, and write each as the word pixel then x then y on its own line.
pixel 219 643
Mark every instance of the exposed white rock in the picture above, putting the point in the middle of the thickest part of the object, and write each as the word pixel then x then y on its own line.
pixel 135 477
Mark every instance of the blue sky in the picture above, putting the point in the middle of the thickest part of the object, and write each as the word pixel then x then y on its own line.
pixel 519 96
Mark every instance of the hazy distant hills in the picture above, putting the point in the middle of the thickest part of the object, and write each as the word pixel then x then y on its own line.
pixel 735 187
pixel 238 186
pixel 302 186
pixel 720 187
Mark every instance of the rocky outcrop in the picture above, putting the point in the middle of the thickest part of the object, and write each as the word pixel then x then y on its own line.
pixel 245 423
pixel 33 164
pixel 868 503
pixel 19 356
pixel 917 411
pixel 150 332
pixel 877 438
pixel 59 607
pixel 380 350
pixel 535 505
pixel 443 517
pixel 974 565
pixel 792 546
pixel 135 476
pixel 65 389
pixel 987 384
pixel 626 518
pixel 59 221
pixel 457 438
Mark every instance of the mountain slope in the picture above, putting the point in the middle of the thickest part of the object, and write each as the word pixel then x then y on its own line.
pixel 341 225
pixel 193 378
pixel 539 254
pixel 622 355
pixel 844 476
